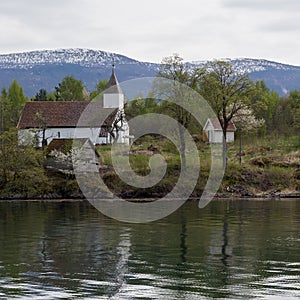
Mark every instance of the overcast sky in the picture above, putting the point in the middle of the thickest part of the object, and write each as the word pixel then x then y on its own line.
pixel 150 30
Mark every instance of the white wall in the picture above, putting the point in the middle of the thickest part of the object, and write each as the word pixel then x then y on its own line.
pixel 64 133
pixel 70 133
pixel 124 134
pixel 230 137
pixel 113 101
pixel 216 136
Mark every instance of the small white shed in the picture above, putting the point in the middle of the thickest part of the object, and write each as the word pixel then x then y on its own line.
pixel 212 131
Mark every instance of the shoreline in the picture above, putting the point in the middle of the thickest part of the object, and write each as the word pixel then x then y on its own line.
pixel 220 196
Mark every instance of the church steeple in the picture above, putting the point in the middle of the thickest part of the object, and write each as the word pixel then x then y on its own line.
pixel 113 86
pixel 113 96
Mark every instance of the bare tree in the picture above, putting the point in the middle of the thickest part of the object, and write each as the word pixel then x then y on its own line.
pixel 42 128
pixel 173 68
pixel 227 90
pixel 117 126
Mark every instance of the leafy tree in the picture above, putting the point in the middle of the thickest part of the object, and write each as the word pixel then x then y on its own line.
pixel 281 115
pixel 11 105
pixel 151 104
pixel 51 97
pixel 227 91
pixel 140 106
pixel 41 95
pixel 174 68
pixel 135 107
pixel 70 89
pixel 101 86
pixel 3 93
pixel 14 103
pixel 21 167
pixel 3 110
pixel 286 115
pixel 245 121
pixel 264 104
pixel 294 98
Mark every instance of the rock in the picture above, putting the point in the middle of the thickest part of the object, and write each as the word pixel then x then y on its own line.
pixel 275 194
pixel 240 190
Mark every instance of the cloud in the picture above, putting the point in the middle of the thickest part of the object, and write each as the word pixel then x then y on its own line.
pixel 150 30
pixel 269 5
pixel 283 25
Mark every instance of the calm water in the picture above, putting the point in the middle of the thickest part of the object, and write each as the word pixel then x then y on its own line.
pixel 229 249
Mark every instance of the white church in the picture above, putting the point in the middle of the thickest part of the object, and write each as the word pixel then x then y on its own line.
pixel 102 121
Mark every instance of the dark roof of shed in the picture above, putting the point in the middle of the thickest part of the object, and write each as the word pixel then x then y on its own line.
pixel 65 114
pixel 65 145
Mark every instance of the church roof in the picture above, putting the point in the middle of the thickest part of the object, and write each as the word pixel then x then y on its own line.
pixel 65 114
pixel 113 86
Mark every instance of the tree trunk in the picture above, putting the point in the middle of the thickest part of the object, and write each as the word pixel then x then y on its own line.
pixel 44 141
pixel 116 137
pixel 241 150
pixel 182 146
pixel 224 150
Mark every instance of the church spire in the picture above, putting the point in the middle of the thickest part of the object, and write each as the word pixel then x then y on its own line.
pixel 113 64
pixel 113 96
pixel 113 86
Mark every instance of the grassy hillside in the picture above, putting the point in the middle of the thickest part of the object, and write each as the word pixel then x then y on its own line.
pixel 269 167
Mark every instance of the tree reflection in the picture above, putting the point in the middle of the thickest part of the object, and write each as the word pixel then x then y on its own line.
pixel 225 250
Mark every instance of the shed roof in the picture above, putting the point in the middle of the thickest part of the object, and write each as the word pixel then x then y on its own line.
pixel 65 145
pixel 217 126
pixel 65 114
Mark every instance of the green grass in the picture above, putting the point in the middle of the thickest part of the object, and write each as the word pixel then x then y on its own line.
pixel 280 154
pixel 271 147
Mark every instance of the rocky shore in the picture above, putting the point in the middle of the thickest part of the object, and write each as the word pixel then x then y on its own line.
pixel 237 192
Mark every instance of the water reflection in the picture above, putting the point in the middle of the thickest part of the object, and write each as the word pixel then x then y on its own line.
pixel 230 249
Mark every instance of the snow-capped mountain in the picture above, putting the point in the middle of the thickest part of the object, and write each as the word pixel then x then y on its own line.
pixel 250 65
pixel 45 69
pixel 279 77
pixel 81 57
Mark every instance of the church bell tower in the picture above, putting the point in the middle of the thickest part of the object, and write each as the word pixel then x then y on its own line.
pixel 113 96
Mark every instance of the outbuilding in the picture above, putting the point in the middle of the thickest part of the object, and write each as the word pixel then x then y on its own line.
pixel 213 133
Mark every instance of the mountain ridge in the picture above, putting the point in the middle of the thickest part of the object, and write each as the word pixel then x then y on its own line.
pixel 46 68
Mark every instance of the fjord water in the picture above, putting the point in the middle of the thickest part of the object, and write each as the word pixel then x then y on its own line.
pixel 230 249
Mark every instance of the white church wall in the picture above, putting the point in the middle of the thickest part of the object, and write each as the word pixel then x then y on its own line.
pixel 113 101
pixel 62 133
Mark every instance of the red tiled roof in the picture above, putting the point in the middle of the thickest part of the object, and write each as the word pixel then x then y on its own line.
pixel 217 126
pixel 65 114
